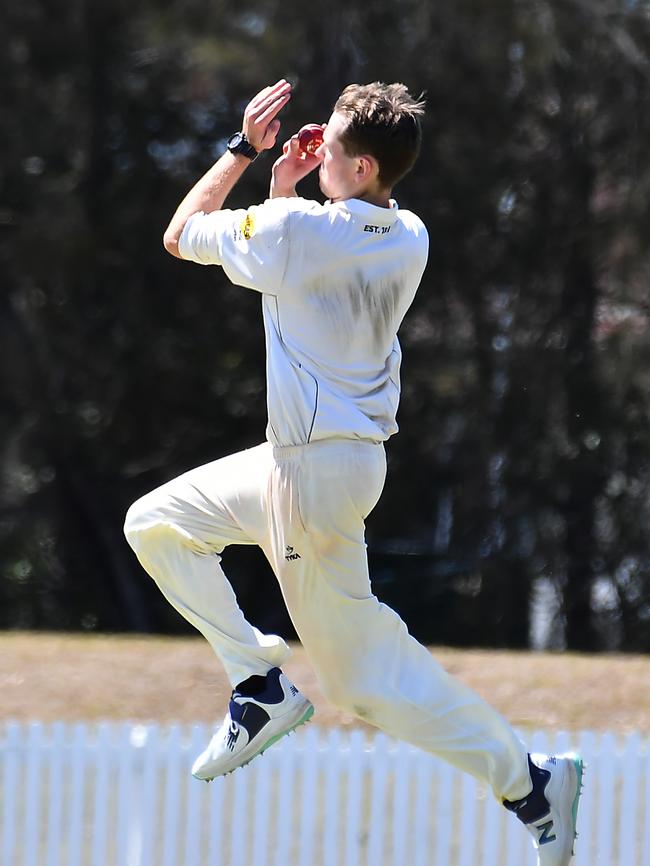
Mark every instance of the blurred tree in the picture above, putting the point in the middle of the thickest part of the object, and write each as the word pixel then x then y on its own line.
pixel 523 458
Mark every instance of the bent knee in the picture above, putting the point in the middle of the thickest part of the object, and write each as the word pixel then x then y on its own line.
pixel 142 515
pixel 151 524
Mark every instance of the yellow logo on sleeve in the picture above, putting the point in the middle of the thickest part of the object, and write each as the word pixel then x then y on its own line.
pixel 248 226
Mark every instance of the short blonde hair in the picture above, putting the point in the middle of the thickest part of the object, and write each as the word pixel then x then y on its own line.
pixel 383 121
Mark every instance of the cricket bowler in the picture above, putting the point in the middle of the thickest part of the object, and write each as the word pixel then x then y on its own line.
pixel 335 281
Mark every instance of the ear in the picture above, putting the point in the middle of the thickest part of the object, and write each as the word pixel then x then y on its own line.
pixel 367 168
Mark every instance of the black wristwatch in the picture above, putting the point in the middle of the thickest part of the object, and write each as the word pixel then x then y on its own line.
pixel 238 143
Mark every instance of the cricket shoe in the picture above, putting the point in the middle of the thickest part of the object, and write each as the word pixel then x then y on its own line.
pixel 252 724
pixel 550 811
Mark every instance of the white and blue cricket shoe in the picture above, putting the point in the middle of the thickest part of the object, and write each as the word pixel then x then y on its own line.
pixel 550 811
pixel 252 724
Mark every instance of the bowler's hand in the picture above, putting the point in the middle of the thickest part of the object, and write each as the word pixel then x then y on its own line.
pixel 261 125
pixel 292 166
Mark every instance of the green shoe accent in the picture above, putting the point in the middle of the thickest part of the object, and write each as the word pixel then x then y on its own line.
pixel 579 765
pixel 305 718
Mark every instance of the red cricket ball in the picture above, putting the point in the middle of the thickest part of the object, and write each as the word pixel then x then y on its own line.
pixel 310 137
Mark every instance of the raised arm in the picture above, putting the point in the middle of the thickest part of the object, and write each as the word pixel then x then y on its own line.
pixel 261 127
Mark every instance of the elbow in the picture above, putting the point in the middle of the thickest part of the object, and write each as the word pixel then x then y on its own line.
pixel 170 243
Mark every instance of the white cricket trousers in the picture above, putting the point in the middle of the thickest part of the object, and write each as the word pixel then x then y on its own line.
pixel 305 506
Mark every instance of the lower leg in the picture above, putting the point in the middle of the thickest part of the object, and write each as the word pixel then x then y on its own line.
pixel 194 583
pixel 369 665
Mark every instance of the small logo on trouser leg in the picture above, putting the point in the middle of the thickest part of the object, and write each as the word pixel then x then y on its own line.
pixel 289 553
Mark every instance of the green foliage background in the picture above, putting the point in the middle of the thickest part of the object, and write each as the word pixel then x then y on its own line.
pixel 516 509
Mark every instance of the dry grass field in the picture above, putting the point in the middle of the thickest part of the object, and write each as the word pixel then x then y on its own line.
pixel 76 677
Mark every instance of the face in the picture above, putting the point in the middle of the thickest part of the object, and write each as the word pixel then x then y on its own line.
pixel 340 176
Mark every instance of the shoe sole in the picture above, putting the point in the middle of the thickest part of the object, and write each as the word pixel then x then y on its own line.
pixel 306 716
pixel 574 773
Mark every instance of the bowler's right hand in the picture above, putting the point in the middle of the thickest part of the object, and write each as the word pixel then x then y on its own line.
pixel 291 167
pixel 260 124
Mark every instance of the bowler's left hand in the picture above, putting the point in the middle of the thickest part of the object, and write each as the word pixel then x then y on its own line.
pixel 292 166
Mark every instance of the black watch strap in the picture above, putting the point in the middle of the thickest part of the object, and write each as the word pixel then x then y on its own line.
pixel 238 143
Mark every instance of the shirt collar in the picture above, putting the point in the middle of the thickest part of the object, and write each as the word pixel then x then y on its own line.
pixel 372 212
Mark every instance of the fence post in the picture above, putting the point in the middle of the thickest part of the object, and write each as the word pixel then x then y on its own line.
pixel 443 824
pixel 11 747
pixel 605 831
pixel 645 840
pixel 402 759
pixel 55 792
pixel 34 754
pixel 77 774
pixel 236 786
pixel 194 789
pixel 629 798
pixel 309 796
pixel 588 748
pixel 423 809
pixel 123 819
pixel 355 763
pixel 331 817
pixel 215 822
pixel 172 788
pixel 283 822
pixel 468 824
pixel 379 765
pixel 149 787
pixel 262 800
pixel 102 749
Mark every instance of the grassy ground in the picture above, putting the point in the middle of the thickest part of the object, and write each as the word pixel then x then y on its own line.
pixel 66 677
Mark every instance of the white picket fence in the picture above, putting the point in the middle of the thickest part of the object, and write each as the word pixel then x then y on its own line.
pixel 122 795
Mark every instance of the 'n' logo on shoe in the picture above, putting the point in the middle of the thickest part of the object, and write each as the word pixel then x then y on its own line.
pixel 233 735
pixel 546 834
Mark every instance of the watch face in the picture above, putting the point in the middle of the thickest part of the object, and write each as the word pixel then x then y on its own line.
pixel 238 143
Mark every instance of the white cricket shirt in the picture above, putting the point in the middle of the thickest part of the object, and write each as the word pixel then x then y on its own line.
pixel 336 281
